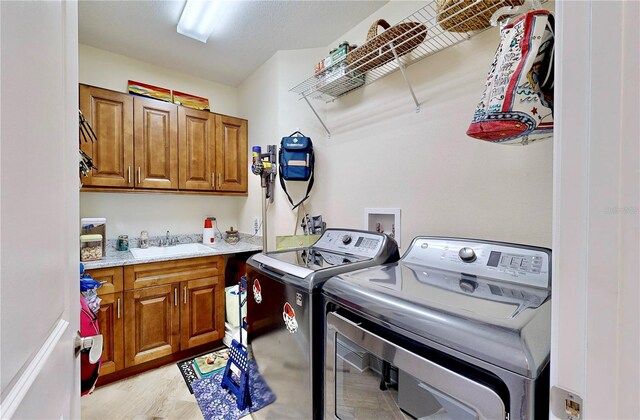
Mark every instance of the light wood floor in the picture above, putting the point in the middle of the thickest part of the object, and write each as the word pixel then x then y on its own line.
pixel 157 394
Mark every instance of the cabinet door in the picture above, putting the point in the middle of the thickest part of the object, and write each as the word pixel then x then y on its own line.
pixel 196 147
pixel 156 143
pixel 111 279
pixel 111 117
pixel 202 311
pixel 152 327
pixel 110 319
pixel 231 154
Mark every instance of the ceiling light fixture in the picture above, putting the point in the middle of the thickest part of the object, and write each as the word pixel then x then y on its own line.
pixel 198 18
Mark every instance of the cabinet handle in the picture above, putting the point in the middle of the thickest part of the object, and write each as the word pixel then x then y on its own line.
pixel 129 175
pixel 175 296
pixel 213 180
pixel 118 308
pixel 185 295
pixel 138 175
pixel 219 182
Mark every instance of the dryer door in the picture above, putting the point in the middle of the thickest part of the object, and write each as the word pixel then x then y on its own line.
pixel 368 376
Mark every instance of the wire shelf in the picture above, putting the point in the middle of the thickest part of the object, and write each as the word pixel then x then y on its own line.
pixel 347 75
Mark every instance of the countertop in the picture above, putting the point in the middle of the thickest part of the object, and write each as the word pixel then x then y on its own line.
pixel 219 247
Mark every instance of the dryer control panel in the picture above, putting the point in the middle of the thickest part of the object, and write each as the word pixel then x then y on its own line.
pixel 362 244
pixel 495 260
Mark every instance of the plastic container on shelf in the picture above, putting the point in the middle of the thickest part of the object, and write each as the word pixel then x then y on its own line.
pixel 91 247
pixel 97 226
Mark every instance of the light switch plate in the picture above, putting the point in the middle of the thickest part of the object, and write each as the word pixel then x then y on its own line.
pixel 565 404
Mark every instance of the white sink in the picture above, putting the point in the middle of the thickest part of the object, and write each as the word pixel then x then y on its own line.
pixel 168 251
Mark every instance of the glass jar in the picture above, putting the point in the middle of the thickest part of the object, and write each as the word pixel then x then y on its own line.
pixel 122 244
pixel 232 237
pixel 144 240
pixel 90 247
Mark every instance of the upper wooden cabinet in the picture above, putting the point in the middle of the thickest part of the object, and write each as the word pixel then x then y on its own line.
pixel 156 143
pixel 231 153
pixel 196 134
pixel 149 144
pixel 111 117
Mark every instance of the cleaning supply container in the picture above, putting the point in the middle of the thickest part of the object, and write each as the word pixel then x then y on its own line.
pixel 207 232
pixel 231 301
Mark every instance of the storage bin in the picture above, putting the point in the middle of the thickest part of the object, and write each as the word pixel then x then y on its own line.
pixel 91 247
pixel 95 226
pixel 231 302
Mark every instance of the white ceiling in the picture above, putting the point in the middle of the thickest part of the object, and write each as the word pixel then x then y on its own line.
pixel 249 34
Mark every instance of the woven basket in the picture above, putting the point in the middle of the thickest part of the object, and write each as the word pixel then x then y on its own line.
pixel 376 51
pixel 469 15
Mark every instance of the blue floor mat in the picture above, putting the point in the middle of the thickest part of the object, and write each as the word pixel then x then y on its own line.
pixel 219 404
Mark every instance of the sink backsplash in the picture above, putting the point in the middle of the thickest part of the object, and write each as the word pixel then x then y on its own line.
pixel 182 239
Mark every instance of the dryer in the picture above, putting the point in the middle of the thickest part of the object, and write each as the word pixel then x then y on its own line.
pixel 458 328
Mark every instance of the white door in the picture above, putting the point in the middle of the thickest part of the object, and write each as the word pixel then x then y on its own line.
pixel 39 299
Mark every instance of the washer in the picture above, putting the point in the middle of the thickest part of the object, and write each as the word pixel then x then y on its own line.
pixel 285 313
pixel 458 328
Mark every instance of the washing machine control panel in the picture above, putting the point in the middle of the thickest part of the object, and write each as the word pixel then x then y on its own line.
pixel 363 244
pixel 498 261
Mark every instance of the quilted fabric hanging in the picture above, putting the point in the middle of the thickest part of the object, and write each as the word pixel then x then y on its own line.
pixel 517 104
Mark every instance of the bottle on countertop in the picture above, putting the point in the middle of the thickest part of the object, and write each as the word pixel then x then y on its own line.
pixel 207 233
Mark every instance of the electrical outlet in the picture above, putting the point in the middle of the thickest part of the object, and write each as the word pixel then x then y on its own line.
pixel 257 225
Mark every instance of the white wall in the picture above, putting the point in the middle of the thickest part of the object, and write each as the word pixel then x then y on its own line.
pixel 383 154
pixel 258 99
pixel 112 71
pixel 129 213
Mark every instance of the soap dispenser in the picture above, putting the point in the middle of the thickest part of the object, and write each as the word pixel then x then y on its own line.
pixel 207 232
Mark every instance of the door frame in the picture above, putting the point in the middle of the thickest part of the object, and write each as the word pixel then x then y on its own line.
pixel 595 340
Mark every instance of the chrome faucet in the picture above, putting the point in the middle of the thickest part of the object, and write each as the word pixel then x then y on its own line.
pixel 166 241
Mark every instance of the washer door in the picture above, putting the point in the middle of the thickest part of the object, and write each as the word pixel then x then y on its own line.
pixel 368 376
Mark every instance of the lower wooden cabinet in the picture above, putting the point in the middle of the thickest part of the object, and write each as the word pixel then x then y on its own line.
pixel 152 327
pixel 165 307
pixel 111 317
pixel 202 311
pixel 110 320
